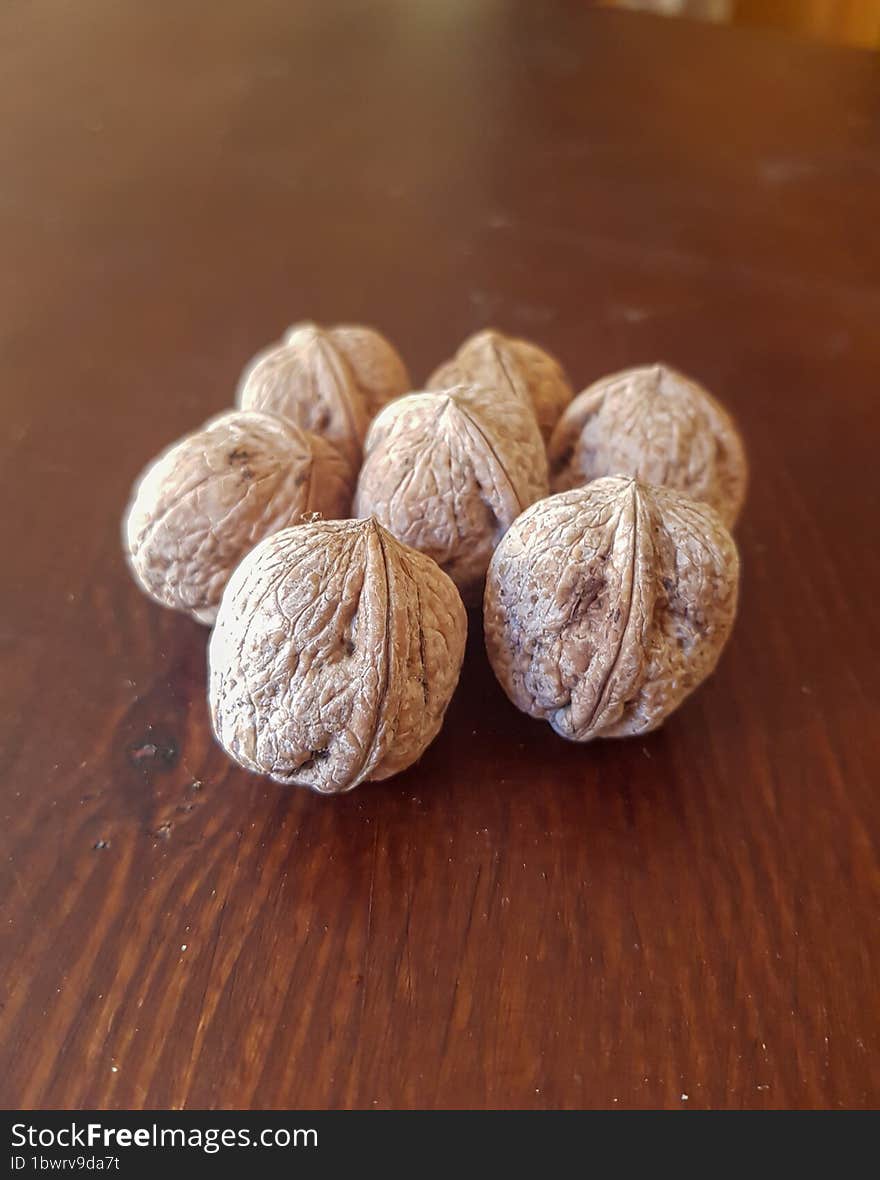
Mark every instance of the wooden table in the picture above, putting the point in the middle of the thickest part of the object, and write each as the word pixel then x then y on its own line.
pixel 688 920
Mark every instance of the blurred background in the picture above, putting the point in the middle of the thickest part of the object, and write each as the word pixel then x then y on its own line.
pixel 845 22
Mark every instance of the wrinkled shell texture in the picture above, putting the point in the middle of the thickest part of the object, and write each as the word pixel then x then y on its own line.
pixel 607 605
pixel 331 381
pixel 449 472
pixel 334 657
pixel 214 494
pixel 658 426
pixel 495 361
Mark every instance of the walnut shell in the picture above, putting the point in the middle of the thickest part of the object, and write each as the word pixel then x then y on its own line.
pixel 330 381
pixel 449 472
pixel 658 426
pixel 210 497
pixel 494 360
pixel 334 657
pixel 607 605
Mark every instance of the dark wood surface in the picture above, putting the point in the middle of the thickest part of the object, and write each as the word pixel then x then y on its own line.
pixel 689 920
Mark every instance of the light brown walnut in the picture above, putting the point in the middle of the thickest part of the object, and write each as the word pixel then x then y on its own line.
pixel 659 426
pixel 210 497
pixel 449 472
pixel 334 657
pixel 607 605
pixel 330 381
pixel 496 361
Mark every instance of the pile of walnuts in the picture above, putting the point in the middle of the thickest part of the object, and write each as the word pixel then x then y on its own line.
pixel 334 527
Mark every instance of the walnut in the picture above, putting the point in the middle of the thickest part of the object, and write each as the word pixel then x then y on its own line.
pixel 496 361
pixel 607 605
pixel 656 425
pixel 335 655
pixel 211 496
pixel 449 472
pixel 330 381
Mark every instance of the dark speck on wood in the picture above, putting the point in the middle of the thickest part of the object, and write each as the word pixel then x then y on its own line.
pixel 150 751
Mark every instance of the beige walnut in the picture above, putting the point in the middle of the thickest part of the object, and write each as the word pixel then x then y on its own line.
pixel 330 381
pixel 334 657
pixel 491 359
pixel 210 497
pixel 449 472
pixel 607 605
pixel 659 426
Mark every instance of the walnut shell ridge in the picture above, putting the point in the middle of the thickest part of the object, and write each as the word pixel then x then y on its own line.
pixel 607 605
pixel 208 499
pixel 330 381
pixel 491 359
pixel 658 426
pixel 335 654
pixel 449 472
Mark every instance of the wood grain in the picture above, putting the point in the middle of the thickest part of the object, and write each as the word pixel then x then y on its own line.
pixel 689 920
